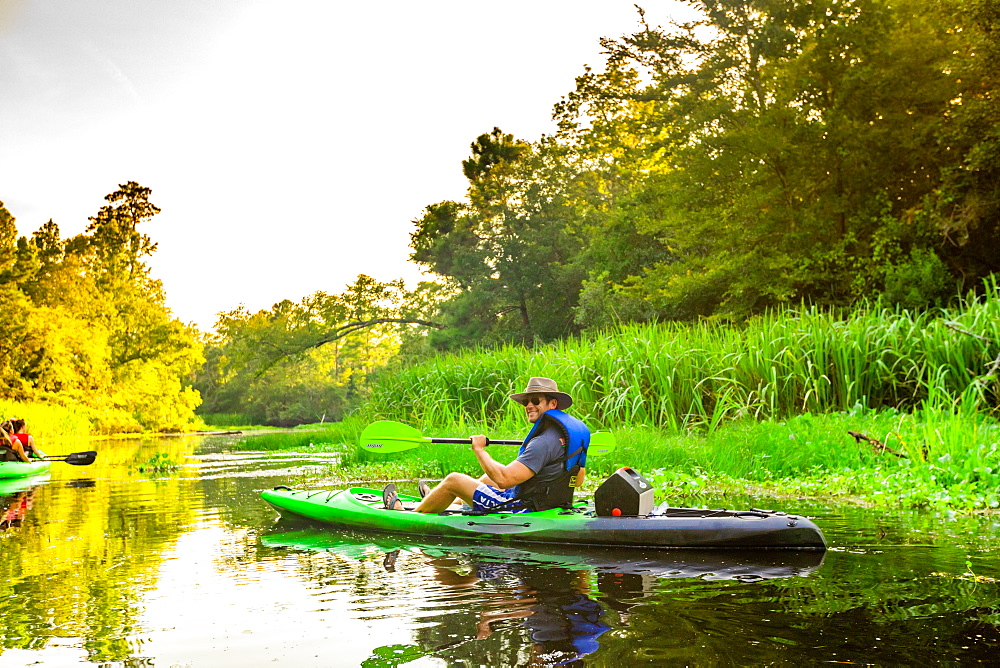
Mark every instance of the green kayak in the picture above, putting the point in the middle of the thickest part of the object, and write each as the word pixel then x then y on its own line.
pixel 664 527
pixel 23 469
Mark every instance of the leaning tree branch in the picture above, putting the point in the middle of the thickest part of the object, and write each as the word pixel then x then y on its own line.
pixel 954 326
pixel 878 447
pixel 335 334
pixel 351 327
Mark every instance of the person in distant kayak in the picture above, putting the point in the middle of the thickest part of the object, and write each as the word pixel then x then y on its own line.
pixel 11 449
pixel 549 465
pixel 27 441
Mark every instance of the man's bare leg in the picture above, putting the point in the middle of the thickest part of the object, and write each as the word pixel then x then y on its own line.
pixel 454 486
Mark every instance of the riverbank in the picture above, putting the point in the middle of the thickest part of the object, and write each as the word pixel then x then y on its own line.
pixel 925 459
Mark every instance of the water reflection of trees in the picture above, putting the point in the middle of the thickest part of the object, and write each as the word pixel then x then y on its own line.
pixel 87 545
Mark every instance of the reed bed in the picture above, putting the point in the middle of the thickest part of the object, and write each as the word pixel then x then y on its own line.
pixel 699 376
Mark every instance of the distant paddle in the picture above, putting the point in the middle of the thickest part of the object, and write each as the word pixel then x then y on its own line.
pixel 75 458
pixel 387 437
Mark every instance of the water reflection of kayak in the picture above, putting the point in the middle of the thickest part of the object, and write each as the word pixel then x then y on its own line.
pixel 665 527
pixel 23 469
pixel 14 508
pixel 15 485
pixel 692 563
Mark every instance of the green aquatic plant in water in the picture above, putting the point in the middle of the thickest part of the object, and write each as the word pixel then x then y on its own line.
pixel 158 463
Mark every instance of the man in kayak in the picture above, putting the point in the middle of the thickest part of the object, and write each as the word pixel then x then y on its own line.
pixel 548 467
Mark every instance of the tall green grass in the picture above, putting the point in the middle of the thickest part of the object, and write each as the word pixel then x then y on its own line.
pixel 699 376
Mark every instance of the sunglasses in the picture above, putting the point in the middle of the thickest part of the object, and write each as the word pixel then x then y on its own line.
pixel 534 401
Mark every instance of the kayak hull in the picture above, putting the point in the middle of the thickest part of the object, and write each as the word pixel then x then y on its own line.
pixel 23 469
pixel 361 508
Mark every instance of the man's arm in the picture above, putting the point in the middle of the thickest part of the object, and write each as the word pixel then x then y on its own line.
pixel 505 477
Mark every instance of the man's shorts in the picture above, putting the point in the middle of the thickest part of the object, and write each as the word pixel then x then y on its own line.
pixel 486 498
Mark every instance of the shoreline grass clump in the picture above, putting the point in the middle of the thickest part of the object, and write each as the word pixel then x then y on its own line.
pixel 49 420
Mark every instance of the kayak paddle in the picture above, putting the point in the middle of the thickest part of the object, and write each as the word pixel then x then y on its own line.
pixel 75 458
pixel 386 436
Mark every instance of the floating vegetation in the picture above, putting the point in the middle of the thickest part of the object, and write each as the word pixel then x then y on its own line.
pixel 158 464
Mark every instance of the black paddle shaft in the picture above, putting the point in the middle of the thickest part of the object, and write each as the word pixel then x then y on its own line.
pixel 75 458
pixel 468 441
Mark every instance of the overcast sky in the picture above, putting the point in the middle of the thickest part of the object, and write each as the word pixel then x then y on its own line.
pixel 289 144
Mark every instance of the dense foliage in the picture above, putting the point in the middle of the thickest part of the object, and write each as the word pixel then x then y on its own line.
pixel 767 155
pixel 771 153
pixel 87 326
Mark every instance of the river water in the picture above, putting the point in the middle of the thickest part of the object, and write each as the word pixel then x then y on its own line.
pixel 135 562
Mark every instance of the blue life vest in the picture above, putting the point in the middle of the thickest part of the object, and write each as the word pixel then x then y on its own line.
pixel 559 492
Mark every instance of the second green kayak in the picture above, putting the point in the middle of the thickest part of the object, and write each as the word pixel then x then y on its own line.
pixel 24 469
pixel 665 527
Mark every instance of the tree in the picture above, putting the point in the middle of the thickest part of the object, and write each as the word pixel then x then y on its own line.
pixel 87 325
pixel 151 353
pixel 774 151
pixel 505 251
pixel 46 352
pixel 964 208
pixel 118 245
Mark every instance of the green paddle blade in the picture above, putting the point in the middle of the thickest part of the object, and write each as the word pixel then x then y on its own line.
pixel 386 436
pixel 601 443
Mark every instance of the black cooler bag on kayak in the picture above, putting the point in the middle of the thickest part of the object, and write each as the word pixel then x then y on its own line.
pixel 625 491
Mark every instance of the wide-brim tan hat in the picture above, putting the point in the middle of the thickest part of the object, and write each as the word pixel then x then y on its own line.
pixel 538 385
